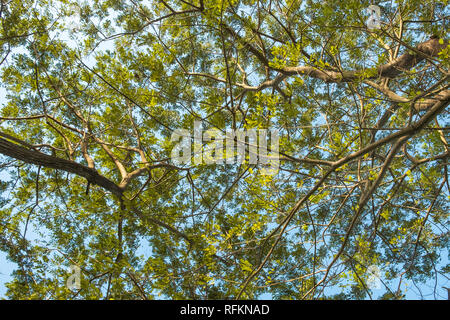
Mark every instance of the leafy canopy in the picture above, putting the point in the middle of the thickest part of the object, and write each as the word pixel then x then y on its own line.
pixel 93 90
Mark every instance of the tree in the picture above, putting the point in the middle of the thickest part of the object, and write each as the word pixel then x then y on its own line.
pixel 94 91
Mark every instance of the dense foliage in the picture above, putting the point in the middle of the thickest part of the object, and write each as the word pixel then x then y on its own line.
pixel 93 90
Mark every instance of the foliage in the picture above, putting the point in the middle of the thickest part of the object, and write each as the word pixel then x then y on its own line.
pixel 363 177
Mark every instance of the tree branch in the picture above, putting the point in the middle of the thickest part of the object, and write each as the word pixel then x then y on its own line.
pixel 18 152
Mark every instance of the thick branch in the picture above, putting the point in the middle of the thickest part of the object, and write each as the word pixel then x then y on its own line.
pixel 15 151
pixel 405 62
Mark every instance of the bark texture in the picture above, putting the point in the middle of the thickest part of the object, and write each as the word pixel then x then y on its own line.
pixel 18 152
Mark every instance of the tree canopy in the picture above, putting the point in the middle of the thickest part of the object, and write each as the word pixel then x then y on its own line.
pixel 92 92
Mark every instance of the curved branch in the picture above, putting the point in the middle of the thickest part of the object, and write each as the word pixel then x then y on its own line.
pixel 393 69
pixel 18 152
